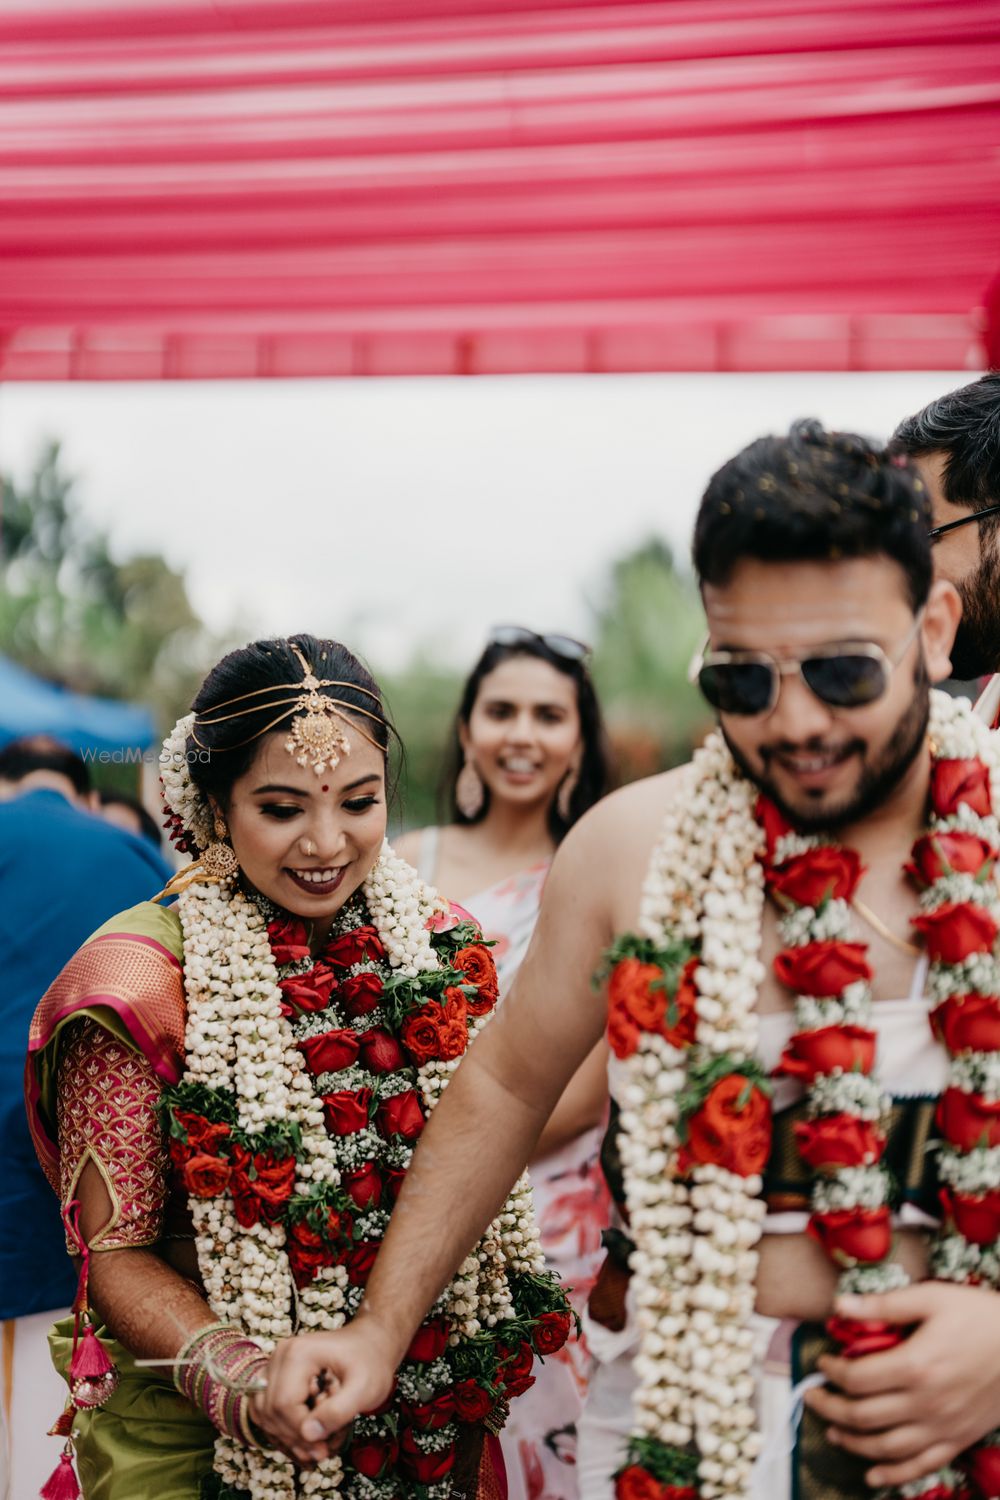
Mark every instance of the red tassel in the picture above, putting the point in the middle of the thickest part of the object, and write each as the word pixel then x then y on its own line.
pixel 63 1424
pixel 62 1485
pixel 90 1358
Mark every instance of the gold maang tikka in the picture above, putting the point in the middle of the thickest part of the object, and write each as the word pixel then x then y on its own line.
pixel 315 737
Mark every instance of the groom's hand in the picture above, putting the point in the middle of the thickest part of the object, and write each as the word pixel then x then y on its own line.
pixel 317 1383
pixel 912 1409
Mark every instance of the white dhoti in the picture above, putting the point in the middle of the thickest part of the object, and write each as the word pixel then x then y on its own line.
pixel 604 1428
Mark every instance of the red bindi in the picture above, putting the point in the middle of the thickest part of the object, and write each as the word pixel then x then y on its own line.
pixel 326 789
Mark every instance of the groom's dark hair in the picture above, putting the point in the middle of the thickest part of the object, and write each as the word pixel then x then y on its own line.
pixel 815 496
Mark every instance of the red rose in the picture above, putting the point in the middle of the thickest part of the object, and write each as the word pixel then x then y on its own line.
pixel 206 1176
pixel 289 939
pixel 339 1226
pixel 983 1464
pixel 938 854
pixel 381 1052
pixel 453 1025
pixel 307 992
pixel 978 1219
pixel 360 994
pixel 955 930
pixel 393 1178
pixel 420 1033
pixel 401 1115
pixel 623 1033
pixel 822 874
pixel 861 1336
pixel 429 1342
pixel 636 1483
pixel 363 1185
pixel 307 1252
pixel 731 1128
pixel 808 1053
pixel 773 822
pixel 261 1184
pixel 551 1332
pixel 425 1468
pixel 853 1233
pixel 968 1120
pixel 839 1141
pixel 203 1138
pixel 330 1051
pixel 515 1371
pixel 472 1403
pixel 968 1023
pixel 347 1111
pixel 373 1456
pixel 478 968
pixel 430 1416
pixel 354 947
pixel 360 1261
pixel 956 781
pixel 822 968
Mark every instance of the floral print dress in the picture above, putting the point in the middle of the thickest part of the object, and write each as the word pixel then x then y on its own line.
pixel 572 1206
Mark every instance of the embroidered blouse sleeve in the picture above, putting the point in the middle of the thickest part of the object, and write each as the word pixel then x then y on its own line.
pixel 106 1110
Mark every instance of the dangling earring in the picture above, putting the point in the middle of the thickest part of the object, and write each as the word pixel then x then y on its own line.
pixel 564 796
pixel 469 790
pixel 218 860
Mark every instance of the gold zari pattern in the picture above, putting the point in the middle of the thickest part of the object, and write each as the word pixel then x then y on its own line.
pixel 107 1096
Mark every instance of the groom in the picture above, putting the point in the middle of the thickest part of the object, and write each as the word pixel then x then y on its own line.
pixel 825 631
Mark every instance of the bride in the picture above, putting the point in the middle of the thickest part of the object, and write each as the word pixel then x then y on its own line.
pixel 225 1094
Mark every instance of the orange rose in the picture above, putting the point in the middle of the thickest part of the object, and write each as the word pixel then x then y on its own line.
pixel 206 1176
pixel 732 1127
pixel 637 989
pixel 453 1025
pixel 623 1033
pixel 636 1483
pixel 478 968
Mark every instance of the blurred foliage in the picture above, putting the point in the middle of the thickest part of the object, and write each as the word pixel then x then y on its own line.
pixel 73 614
pixel 647 628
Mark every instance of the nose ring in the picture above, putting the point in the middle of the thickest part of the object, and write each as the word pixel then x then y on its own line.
pixel 309 848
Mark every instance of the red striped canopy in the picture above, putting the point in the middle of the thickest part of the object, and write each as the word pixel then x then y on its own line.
pixel 229 188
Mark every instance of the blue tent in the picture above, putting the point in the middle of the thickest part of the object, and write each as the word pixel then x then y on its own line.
pixel 87 725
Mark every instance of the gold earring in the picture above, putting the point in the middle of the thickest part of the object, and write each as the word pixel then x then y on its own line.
pixel 469 790
pixel 218 860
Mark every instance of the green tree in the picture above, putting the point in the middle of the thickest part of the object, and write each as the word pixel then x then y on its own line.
pixel 648 626
pixel 72 613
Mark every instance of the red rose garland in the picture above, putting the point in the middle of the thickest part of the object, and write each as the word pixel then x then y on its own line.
pixel 834 1045
pixel 363 1031
pixel 682 1101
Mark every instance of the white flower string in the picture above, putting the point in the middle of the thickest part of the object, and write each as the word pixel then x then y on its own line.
pixel 247 1067
pixel 694 1224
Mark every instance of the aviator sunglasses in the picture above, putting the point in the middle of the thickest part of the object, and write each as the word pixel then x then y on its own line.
pixel 519 635
pixel 748 682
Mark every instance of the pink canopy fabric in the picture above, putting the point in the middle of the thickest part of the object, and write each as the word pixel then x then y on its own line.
pixel 229 188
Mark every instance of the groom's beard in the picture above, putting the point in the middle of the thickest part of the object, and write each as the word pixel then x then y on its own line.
pixel 976 651
pixel 878 777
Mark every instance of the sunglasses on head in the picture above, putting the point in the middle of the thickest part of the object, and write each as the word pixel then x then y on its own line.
pixel 748 682
pixel 519 635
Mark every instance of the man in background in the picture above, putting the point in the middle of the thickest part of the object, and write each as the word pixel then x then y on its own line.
pixel 955 443
pixel 63 871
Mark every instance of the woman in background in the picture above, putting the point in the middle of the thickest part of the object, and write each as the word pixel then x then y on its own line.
pixel 528 758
